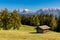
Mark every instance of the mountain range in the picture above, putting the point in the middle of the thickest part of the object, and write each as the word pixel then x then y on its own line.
pixel 54 11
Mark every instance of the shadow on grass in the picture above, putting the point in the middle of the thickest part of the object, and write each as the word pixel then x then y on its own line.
pixel 58 31
pixel 35 33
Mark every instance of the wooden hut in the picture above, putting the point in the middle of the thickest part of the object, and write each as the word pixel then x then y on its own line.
pixel 42 29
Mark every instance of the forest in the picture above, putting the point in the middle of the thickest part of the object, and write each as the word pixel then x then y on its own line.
pixel 13 20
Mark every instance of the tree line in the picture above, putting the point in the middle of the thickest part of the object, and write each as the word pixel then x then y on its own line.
pixel 42 19
pixel 13 20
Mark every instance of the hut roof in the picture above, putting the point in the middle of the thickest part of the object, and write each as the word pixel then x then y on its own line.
pixel 44 27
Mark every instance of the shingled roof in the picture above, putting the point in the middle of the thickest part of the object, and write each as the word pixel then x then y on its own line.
pixel 44 27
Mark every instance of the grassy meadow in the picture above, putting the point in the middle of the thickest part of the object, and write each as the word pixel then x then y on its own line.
pixel 28 33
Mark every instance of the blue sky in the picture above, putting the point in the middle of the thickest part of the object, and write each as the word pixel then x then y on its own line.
pixel 29 4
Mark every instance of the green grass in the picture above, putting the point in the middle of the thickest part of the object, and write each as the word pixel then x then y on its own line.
pixel 27 28
pixel 27 33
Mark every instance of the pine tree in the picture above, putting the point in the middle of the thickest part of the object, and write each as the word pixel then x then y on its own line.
pixel 58 27
pixel 36 21
pixel 16 20
pixel 0 21
pixel 41 18
pixel 53 23
pixel 5 18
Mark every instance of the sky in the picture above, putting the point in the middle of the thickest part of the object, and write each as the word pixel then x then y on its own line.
pixel 29 4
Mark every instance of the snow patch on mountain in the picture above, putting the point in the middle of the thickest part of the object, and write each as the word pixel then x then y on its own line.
pixel 55 11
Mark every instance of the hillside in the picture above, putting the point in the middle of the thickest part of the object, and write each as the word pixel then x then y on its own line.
pixel 23 34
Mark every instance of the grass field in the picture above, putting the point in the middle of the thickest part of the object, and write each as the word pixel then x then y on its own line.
pixel 27 33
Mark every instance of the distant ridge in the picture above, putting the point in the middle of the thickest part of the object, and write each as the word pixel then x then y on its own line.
pixel 55 11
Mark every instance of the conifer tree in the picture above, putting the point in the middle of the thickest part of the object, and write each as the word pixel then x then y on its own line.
pixel 53 23
pixel 35 21
pixel 16 20
pixel 5 18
